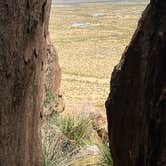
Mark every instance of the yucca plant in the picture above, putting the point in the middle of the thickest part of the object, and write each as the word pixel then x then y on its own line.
pixel 66 125
pixel 81 130
pixel 76 129
pixel 63 138
pixel 57 149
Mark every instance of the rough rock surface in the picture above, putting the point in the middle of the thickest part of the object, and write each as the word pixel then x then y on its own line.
pixel 52 70
pixel 53 100
pixel 136 106
pixel 23 27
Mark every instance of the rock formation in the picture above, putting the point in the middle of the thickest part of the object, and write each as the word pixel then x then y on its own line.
pixel 53 101
pixel 52 98
pixel 136 106
pixel 23 27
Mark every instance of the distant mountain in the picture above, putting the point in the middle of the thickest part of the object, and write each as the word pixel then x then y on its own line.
pixel 91 1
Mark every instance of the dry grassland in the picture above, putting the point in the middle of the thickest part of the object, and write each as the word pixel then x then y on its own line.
pixel 88 53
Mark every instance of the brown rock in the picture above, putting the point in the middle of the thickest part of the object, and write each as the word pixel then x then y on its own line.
pixel 136 106
pixel 53 100
pixel 52 70
pixel 23 27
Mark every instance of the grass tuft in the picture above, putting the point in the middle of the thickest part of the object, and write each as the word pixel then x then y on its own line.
pixel 106 159
pixel 76 129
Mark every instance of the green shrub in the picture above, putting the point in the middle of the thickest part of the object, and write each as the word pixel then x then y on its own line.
pixel 76 129
pixel 58 150
pixel 63 138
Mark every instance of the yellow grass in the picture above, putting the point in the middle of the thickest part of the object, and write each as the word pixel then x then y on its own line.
pixel 88 55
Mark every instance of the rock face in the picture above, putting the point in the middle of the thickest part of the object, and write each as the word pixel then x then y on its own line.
pixel 23 27
pixel 52 70
pixel 52 97
pixel 53 100
pixel 136 106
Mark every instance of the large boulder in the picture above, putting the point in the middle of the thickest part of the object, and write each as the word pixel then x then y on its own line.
pixel 136 106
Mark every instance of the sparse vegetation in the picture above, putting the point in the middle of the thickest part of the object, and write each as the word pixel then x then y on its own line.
pixel 105 159
pixel 68 140
pixel 75 128
pixel 57 148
